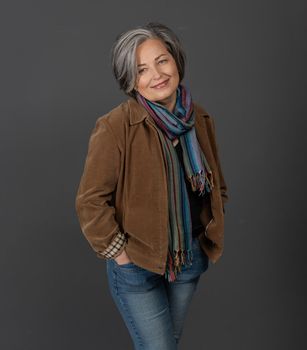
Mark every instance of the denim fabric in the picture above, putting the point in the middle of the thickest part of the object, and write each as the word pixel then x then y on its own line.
pixel 152 308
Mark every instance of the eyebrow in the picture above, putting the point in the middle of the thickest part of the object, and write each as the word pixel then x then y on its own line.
pixel 143 64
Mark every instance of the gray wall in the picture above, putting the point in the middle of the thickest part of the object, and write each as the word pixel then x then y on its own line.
pixel 247 67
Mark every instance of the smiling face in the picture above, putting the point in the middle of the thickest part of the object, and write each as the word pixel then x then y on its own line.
pixel 155 66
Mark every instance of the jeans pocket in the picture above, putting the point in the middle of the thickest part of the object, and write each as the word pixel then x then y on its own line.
pixel 125 265
pixel 133 278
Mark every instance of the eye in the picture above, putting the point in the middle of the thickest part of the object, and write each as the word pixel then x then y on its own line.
pixel 165 60
pixel 141 71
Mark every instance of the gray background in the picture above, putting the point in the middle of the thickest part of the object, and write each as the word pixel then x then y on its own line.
pixel 247 67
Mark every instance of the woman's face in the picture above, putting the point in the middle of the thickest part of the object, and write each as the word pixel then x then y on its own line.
pixel 155 66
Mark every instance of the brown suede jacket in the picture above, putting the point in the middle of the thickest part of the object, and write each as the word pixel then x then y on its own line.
pixel 123 189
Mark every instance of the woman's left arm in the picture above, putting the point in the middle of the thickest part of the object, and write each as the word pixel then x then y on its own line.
pixel 223 186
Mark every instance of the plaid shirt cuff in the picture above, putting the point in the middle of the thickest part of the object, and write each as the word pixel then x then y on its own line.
pixel 116 247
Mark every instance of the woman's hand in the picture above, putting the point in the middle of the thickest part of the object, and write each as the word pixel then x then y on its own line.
pixel 123 258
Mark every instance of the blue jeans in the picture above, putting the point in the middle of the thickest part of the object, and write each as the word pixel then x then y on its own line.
pixel 152 308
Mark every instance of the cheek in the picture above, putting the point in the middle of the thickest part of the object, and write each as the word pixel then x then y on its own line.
pixel 143 82
pixel 174 70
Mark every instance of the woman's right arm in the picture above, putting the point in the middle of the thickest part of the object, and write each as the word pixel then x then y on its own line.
pixel 98 182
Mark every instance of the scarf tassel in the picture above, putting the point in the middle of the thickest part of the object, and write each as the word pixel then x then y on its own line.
pixel 201 181
pixel 175 263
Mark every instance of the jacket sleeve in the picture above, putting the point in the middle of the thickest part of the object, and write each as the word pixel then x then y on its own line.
pixel 98 183
pixel 223 186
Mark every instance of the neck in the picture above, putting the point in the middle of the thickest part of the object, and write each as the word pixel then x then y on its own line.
pixel 170 102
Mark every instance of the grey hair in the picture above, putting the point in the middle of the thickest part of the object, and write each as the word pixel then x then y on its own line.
pixel 123 53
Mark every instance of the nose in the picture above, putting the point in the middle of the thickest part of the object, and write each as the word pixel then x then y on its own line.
pixel 156 75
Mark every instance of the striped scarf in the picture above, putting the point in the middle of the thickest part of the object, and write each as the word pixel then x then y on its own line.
pixel 170 125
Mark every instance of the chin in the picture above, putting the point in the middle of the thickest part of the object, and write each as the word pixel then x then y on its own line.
pixel 164 95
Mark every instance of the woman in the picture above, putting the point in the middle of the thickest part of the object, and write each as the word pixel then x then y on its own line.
pixel 151 198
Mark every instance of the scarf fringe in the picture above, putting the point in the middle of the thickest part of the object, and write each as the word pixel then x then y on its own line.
pixel 202 181
pixel 175 262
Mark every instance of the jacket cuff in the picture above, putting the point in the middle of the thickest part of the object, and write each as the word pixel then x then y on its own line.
pixel 116 247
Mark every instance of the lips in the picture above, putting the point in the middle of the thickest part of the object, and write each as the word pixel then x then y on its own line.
pixel 161 84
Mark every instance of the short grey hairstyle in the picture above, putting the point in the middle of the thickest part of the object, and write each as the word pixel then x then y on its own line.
pixel 123 53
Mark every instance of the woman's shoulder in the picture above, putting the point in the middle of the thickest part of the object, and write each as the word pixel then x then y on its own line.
pixel 199 109
pixel 117 115
pixel 203 117
pixel 116 120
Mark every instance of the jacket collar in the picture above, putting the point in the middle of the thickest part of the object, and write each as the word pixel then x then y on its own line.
pixel 138 113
